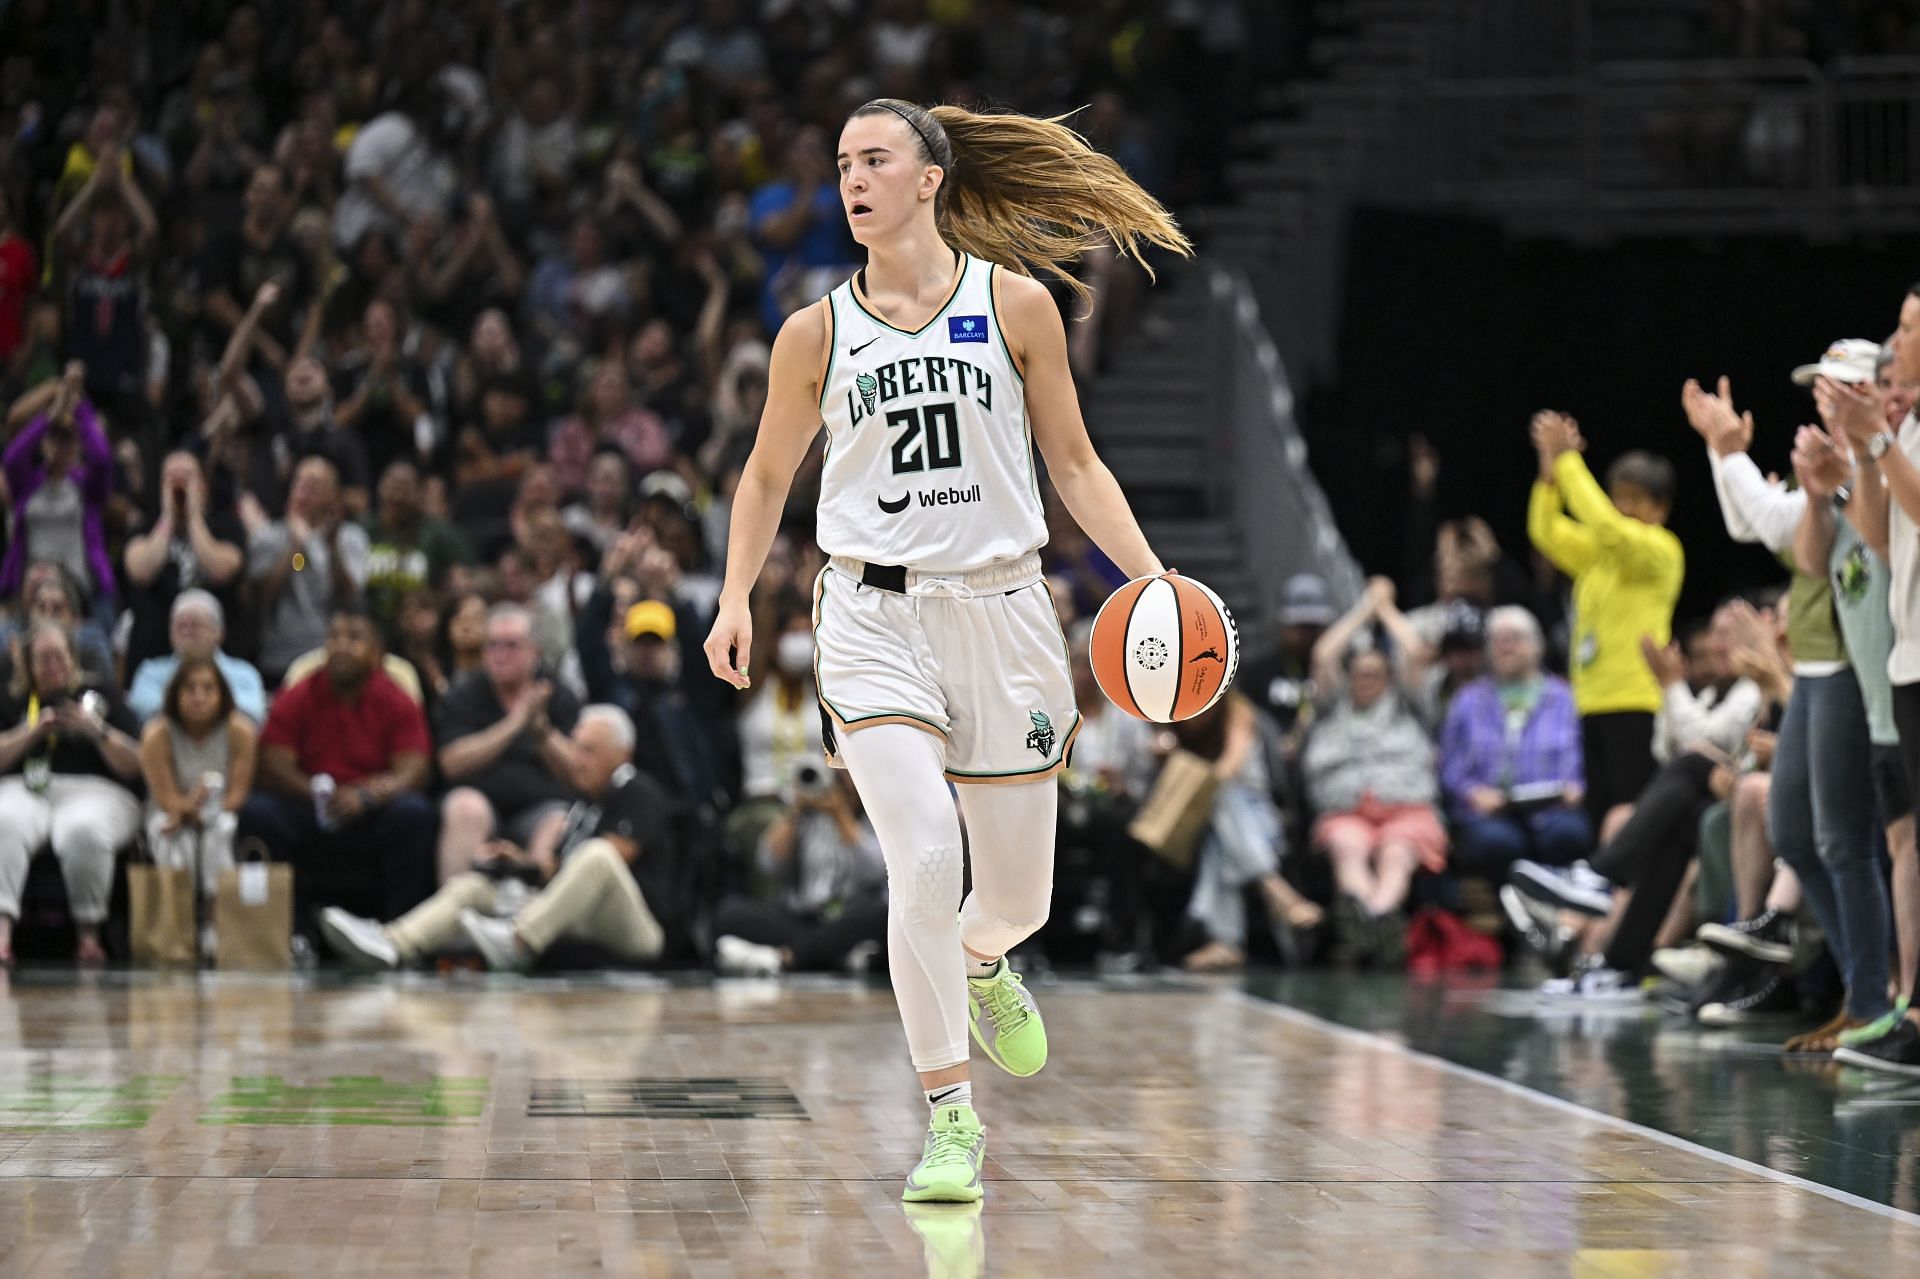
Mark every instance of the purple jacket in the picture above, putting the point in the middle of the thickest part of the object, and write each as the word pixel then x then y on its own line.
pixel 1475 749
pixel 94 474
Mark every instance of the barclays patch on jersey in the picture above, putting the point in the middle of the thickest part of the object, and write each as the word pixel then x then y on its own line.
pixel 966 328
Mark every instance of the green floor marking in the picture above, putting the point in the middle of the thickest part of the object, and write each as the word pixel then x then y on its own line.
pixel 64 1103
pixel 362 1100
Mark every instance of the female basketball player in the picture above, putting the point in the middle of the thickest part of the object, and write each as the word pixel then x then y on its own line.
pixel 939 656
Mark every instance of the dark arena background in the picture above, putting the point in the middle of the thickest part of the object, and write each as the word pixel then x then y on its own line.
pixel 388 886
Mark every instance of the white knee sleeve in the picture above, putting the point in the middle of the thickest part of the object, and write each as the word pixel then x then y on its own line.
pixel 1010 835
pixel 900 773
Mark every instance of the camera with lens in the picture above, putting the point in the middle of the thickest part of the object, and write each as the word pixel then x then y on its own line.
pixel 811 780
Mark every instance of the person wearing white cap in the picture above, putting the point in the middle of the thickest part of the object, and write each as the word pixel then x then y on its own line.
pixel 1848 360
pixel 1820 806
pixel 1886 509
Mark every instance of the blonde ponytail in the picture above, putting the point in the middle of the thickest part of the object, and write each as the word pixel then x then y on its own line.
pixel 1029 193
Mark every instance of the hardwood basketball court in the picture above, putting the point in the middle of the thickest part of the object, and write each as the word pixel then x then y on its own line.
pixel 154 1125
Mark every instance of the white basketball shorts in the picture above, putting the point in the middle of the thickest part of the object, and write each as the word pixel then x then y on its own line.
pixel 976 658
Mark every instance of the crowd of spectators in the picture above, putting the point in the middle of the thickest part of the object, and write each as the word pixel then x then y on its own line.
pixel 375 377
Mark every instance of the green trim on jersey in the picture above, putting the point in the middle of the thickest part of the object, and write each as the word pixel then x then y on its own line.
pixel 966 265
pixel 853 721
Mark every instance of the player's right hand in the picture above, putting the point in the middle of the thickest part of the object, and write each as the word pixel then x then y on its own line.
pixel 732 634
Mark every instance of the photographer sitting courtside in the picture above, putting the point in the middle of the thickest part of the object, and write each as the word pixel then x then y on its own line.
pixel 615 866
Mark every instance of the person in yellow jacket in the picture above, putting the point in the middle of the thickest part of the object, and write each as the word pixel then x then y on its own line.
pixel 1626 568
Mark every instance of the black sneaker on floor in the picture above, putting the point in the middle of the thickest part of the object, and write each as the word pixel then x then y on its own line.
pixel 1897 1052
pixel 1767 937
pixel 1744 992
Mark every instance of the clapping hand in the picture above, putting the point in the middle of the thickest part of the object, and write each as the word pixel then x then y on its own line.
pixel 1855 410
pixel 1713 417
pixel 1668 664
pixel 1819 463
pixel 1380 595
pixel 531 706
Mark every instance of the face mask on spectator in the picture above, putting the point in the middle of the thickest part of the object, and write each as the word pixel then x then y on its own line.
pixel 794 654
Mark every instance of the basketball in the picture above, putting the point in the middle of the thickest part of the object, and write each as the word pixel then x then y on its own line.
pixel 1164 648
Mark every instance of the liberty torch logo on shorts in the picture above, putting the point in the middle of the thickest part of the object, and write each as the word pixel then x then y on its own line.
pixel 1041 738
pixel 967 328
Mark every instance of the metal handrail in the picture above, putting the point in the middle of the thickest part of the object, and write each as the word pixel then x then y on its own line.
pixel 1851 149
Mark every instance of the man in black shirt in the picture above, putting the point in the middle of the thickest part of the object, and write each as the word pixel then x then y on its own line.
pixel 191 544
pixel 256 251
pixel 1280 681
pixel 504 748
pixel 615 858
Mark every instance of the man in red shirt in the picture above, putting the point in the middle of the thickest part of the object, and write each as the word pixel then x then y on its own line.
pixel 18 276
pixel 369 846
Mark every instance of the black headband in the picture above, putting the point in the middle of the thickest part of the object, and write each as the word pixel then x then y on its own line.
pixel 933 152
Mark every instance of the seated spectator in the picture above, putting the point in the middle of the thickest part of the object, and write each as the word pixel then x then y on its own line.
pixel 68 761
pixel 1243 843
pixel 608 873
pixel 1460 657
pixel 59 476
pixel 187 547
pixel 197 757
pixel 343 775
pixel 1649 853
pixel 304 568
pixel 831 913
pixel 1510 759
pixel 50 595
pixel 503 747
pixel 1139 898
pixel 407 549
pixel 1369 768
pixel 1281 681
pixel 442 643
pixel 197 628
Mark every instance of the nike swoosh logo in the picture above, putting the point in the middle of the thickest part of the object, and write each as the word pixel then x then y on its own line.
pixel 943 1096
pixel 855 350
pixel 894 508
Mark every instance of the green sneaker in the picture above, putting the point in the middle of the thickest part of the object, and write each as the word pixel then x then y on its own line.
pixel 1006 1022
pixel 1878 1028
pixel 949 1168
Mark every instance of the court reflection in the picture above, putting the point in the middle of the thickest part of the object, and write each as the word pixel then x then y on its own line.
pixel 1729 1090
pixel 954 1236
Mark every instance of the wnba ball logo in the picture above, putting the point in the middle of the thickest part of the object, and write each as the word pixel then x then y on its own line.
pixel 1151 653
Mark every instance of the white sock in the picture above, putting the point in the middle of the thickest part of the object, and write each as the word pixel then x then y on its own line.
pixel 979 968
pixel 960 1094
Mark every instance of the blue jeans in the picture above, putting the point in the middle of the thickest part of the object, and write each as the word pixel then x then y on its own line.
pixel 1483 847
pixel 1820 820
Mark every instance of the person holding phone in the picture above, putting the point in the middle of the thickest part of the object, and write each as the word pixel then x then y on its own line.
pixel 65 767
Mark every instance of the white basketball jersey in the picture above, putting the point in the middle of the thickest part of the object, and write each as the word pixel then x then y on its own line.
pixel 929 456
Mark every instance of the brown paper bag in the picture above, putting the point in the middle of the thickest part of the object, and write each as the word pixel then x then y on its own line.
pixel 163 929
pixel 1178 809
pixel 254 914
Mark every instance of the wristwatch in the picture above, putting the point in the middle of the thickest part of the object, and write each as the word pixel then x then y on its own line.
pixel 1878 444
